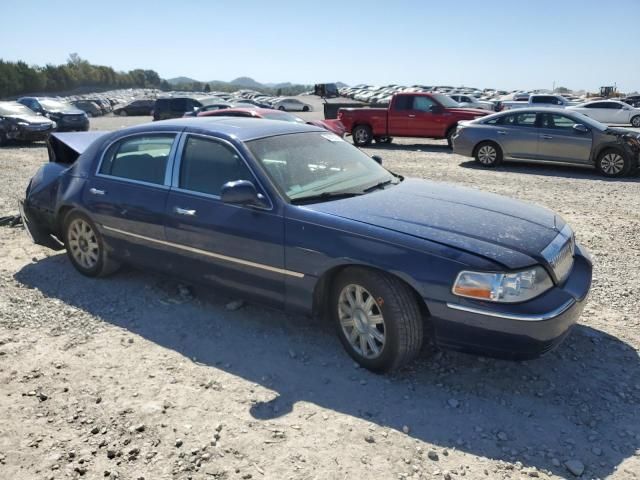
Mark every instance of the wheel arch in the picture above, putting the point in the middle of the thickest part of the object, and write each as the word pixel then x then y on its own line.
pixel 486 140
pixel 609 146
pixel 322 288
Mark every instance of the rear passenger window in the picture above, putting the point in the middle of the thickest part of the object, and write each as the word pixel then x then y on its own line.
pixel 141 158
pixel 207 165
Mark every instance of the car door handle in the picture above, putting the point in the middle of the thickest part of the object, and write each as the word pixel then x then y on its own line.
pixel 95 191
pixel 501 132
pixel 185 211
pixel 546 137
pixel 412 116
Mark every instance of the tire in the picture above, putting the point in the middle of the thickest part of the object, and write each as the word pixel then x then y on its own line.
pixel 123 113
pixel 488 154
pixel 305 109
pixel 85 246
pixel 396 339
pixel 635 121
pixel 450 133
pixel 362 135
pixel 3 139
pixel 613 163
pixel 281 108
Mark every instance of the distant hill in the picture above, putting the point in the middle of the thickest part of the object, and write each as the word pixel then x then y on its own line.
pixel 179 80
pixel 246 82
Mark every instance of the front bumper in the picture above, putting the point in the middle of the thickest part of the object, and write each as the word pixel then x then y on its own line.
pixel 514 331
pixel 67 125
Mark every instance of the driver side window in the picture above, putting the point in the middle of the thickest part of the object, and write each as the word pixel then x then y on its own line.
pixel 423 104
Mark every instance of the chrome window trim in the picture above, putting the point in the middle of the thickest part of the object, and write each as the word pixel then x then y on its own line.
pixel 177 162
pixel 207 253
pixel 164 185
pixel 515 316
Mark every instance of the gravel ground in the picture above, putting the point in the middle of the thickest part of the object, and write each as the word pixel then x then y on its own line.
pixel 136 376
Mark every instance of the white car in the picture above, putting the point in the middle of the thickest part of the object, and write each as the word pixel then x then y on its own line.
pixel 610 111
pixel 292 105
pixel 470 101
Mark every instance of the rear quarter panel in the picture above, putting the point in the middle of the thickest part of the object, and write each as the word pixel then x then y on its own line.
pixel 376 118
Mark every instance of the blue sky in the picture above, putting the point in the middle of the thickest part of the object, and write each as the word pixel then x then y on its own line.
pixel 479 43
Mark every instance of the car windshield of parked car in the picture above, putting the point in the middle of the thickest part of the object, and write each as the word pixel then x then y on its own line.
pixel 14 109
pixel 286 117
pixel 312 164
pixel 445 101
pixel 54 105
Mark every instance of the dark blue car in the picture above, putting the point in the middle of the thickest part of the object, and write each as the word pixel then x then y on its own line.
pixel 293 216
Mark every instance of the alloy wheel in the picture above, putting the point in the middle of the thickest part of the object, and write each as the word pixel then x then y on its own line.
pixel 362 136
pixel 612 163
pixel 361 321
pixel 83 243
pixel 487 155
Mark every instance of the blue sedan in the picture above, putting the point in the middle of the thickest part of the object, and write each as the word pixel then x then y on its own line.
pixel 293 216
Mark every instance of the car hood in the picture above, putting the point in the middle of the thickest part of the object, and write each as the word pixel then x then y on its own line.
pixel 507 231
pixel 29 118
pixel 67 111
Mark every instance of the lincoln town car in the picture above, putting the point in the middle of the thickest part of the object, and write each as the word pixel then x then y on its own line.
pixel 293 216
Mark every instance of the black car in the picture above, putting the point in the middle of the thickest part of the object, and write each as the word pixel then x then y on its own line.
pixel 137 107
pixel 67 117
pixel 174 107
pixel 91 108
pixel 18 122
pixel 633 100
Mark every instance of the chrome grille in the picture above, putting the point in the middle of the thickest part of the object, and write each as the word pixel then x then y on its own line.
pixel 559 253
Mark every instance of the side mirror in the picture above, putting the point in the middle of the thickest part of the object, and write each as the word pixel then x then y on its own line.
pixel 377 159
pixel 436 109
pixel 580 128
pixel 242 192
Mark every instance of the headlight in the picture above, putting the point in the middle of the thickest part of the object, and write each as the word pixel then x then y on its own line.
pixel 55 125
pixel 502 287
pixel 23 124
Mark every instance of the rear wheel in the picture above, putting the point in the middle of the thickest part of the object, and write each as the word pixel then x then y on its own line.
pixel 377 317
pixel 635 121
pixel 85 246
pixel 488 154
pixel 613 163
pixel 362 135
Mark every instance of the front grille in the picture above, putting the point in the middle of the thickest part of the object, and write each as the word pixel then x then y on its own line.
pixel 559 254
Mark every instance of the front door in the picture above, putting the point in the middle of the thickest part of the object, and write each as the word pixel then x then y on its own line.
pixel 559 141
pixel 235 247
pixel 127 195
pixel 423 122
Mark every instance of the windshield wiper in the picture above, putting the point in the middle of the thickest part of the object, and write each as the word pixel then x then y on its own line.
pixel 323 197
pixel 380 186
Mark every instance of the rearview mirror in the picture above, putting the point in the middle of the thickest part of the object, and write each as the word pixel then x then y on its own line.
pixel 580 128
pixel 242 192
pixel 377 158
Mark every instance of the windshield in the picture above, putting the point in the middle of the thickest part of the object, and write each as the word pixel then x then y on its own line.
pixel 311 164
pixel 286 117
pixel 14 109
pixel 54 105
pixel 445 101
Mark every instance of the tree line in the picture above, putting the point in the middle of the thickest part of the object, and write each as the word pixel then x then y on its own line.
pixel 18 78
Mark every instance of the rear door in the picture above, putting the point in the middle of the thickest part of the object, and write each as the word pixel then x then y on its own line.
pixel 559 141
pixel 127 194
pixel 518 134
pixel 235 247
pixel 398 116
pixel 595 110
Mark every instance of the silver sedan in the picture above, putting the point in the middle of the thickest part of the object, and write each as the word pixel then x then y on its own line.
pixel 549 135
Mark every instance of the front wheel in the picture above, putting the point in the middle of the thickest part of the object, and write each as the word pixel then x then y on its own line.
pixel 281 108
pixel 613 163
pixel 488 154
pixel 305 109
pixel 377 317
pixel 85 246
pixel 362 135
pixel 635 121
pixel 450 134
pixel 122 113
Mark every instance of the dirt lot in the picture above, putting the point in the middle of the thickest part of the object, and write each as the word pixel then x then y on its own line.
pixel 136 376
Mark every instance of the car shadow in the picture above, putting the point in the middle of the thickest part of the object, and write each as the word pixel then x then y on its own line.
pixel 550 170
pixel 413 147
pixel 579 401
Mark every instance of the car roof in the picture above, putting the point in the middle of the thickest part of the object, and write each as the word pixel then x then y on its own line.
pixel 241 128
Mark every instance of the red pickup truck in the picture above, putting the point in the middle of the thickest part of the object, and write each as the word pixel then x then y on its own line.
pixel 429 115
